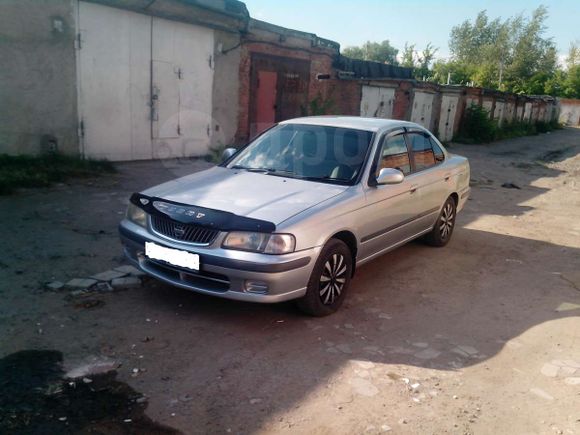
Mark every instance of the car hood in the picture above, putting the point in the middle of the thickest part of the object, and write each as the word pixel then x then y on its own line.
pixel 256 195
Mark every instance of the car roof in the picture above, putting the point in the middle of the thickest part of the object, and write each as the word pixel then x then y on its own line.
pixel 354 122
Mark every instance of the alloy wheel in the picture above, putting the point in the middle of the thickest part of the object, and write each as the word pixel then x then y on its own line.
pixel 332 279
pixel 446 221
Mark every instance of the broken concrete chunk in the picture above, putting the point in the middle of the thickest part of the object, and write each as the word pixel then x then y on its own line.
pixel 572 381
pixel 428 353
pixel 465 350
pixel 130 270
pixel 103 287
pixel 80 283
pixel 92 366
pixel 54 286
pixel 126 282
pixel 550 370
pixel 109 275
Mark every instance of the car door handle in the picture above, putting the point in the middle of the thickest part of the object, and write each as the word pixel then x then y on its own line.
pixel 447 177
pixel 413 188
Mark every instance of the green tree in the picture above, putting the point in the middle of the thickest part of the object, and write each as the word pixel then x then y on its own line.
pixel 424 62
pixel 382 52
pixel 408 56
pixel 513 54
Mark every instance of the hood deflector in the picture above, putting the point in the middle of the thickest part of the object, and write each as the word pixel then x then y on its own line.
pixel 205 217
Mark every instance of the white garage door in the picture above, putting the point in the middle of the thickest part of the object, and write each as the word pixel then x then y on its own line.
pixel 422 107
pixel 447 117
pixel 145 85
pixel 377 102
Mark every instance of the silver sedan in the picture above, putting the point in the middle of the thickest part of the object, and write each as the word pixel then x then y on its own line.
pixel 293 213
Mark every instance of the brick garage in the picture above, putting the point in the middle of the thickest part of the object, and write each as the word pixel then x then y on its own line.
pixel 302 64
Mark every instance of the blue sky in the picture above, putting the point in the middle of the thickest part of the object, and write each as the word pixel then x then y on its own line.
pixel 352 22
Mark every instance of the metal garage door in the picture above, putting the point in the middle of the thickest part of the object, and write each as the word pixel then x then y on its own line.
pixel 377 102
pixel 422 105
pixel 145 85
pixel 447 117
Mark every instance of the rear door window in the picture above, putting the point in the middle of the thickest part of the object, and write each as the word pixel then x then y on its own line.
pixel 422 150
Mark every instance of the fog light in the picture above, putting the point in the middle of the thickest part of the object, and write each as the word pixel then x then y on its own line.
pixel 259 287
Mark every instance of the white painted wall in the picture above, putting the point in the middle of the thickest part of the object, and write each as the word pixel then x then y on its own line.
pixel 123 56
pixel 569 113
pixel 509 111
pixel 498 113
pixel 377 102
pixel 447 116
pixel 488 105
pixel 527 112
pixel 422 108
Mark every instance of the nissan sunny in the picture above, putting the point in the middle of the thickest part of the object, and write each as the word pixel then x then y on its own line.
pixel 292 214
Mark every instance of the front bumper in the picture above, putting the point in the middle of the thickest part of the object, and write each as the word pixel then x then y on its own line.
pixel 226 273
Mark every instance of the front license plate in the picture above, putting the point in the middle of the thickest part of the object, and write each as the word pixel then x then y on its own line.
pixel 172 256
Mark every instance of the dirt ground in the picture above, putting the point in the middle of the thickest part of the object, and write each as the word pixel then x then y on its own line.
pixel 482 336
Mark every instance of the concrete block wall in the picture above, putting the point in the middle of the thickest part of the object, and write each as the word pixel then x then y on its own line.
pixel 38 97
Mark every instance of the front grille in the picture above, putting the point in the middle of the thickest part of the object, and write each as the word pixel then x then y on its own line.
pixel 183 232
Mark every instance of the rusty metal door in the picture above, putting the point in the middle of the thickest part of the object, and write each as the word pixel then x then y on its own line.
pixel 277 83
pixel 266 100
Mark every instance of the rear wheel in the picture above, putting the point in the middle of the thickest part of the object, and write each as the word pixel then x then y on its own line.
pixel 329 281
pixel 443 228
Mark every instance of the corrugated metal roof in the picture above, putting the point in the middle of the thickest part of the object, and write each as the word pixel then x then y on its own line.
pixel 366 69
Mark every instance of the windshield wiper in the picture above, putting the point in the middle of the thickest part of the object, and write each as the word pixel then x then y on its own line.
pixel 246 168
pixel 269 171
pixel 326 178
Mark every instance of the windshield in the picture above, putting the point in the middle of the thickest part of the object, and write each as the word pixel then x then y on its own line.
pixel 311 152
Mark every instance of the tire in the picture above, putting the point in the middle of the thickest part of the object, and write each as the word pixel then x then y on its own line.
pixel 329 280
pixel 443 228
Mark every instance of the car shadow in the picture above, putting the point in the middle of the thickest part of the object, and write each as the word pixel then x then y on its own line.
pixel 442 309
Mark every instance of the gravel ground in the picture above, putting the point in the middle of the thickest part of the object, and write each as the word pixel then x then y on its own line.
pixel 482 336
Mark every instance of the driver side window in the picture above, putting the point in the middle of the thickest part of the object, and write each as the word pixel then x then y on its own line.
pixel 394 154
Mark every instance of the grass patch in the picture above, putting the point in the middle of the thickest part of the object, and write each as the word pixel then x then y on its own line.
pixel 41 171
pixel 479 128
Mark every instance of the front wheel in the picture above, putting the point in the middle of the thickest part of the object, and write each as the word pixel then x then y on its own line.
pixel 329 280
pixel 443 228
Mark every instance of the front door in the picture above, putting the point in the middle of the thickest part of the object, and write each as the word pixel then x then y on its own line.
pixel 388 219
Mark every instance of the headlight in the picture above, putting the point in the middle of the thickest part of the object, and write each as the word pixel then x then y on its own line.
pixel 260 242
pixel 136 215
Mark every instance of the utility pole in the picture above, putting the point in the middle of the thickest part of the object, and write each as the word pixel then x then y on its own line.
pixel 448 77
pixel 500 73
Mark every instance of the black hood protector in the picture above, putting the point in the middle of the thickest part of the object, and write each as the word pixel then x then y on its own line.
pixel 205 217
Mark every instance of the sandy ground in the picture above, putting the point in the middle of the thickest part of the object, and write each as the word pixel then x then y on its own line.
pixel 481 337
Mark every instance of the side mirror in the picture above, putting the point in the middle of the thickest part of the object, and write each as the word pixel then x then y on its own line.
pixel 227 153
pixel 390 176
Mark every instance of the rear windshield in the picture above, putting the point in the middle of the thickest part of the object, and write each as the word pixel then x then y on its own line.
pixel 311 152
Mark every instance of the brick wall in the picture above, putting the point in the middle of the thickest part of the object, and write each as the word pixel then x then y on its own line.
pixel 270 40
